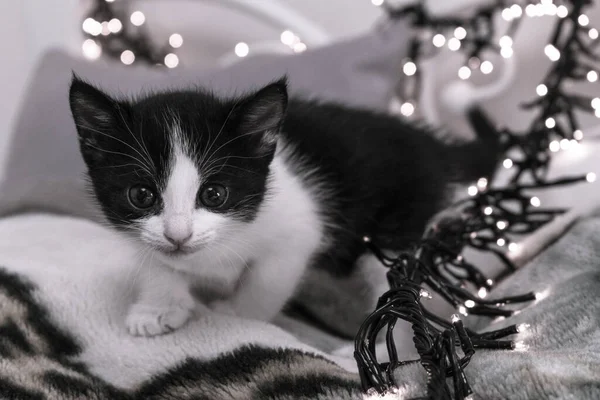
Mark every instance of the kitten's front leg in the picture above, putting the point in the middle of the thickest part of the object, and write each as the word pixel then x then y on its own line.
pixel 164 302
pixel 266 286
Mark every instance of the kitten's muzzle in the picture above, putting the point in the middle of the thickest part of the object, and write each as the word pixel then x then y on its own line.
pixel 178 240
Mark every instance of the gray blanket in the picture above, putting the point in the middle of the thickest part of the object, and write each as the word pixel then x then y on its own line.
pixel 64 291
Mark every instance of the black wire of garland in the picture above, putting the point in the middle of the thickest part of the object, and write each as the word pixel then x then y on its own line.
pixel 481 221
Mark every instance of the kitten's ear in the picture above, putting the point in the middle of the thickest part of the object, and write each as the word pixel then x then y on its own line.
pixel 96 116
pixel 91 108
pixel 264 111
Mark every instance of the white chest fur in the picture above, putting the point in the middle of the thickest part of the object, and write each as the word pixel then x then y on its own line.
pixel 260 264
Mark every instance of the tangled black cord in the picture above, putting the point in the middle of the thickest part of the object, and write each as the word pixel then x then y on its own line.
pixel 483 221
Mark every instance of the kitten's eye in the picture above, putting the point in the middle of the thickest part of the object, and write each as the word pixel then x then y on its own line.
pixel 141 196
pixel 213 195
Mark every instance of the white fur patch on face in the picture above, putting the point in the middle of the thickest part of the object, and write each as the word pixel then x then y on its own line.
pixel 180 224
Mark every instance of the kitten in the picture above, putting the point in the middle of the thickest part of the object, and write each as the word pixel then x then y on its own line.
pixel 241 195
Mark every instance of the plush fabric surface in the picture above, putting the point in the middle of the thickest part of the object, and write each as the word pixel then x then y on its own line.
pixel 64 296
pixel 44 168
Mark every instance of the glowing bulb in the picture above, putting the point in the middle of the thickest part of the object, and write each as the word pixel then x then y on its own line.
pixel 596 102
pixel 299 47
pixel 507 14
pixel 562 11
pixel 171 60
pixel 592 76
pixel 554 146
pixel 593 33
pixel 506 52
pixel 548 8
pixel 501 242
pixel 439 40
pixel 486 67
pixel 453 44
pixel 541 90
pixel 463 310
pixel 92 26
pixel 520 346
pixel 474 62
pixel 109 1
pixel 482 293
pixel 176 40
pixel 460 33
pixel 578 135
pixel 377 2
pixel 105 30
pixel 91 49
pixel 508 163
pixel 490 282
pixel 530 10
pixel 410 68
pixel 288 38
pixel 464 72
pixel 552 52
pixel 597 113
pixel 505 41
pixel 425 293
pixel 127 57
pixel 137 18
pixel 472 190
pixel 241 49
pixel 583 20
pixel 407 109
pixel 469 304
pixel 115 25
pixel 455 318
pixel 488 210
pixel 564 144
pixel 482 183
pixel 513 247
pixel 501 225
pixel 539 296
pixel 516 10
pixel 535 201
pixel 550 123
pixel 590 177
pixel 523 327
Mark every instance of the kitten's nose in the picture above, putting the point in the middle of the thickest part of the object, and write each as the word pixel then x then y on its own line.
pixel 178 230
pixel 177 240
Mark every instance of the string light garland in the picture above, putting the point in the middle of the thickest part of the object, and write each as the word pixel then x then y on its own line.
pixel 110 29
pixel 491 214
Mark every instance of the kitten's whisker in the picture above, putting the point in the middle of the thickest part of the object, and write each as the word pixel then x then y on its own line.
pixel 141 164
pixel 207 153
pixel 142 161
pixel 229 142
pixel 147 156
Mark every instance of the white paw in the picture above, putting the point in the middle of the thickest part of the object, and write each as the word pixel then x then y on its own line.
pixel 146 320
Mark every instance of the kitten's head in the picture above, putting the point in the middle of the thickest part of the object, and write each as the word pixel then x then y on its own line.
pixel 181 170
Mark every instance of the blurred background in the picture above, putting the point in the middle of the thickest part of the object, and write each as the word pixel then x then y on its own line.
pixel 207 35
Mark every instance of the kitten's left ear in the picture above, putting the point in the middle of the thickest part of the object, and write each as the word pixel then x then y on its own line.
pixel 264 111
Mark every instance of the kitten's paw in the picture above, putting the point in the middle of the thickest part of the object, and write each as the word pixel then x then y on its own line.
pixel 146 320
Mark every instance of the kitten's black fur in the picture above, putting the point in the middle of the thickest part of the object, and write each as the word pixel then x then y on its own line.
pixel 376 174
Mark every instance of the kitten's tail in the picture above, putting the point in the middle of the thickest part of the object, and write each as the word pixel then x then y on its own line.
pixel 480 157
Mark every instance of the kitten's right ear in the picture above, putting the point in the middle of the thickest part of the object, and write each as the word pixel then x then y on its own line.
pixel 91 108
pixel 96 117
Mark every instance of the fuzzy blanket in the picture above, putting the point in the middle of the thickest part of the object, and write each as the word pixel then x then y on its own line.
pixel 65 286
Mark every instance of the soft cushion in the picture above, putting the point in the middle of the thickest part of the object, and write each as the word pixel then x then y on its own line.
pixel 44 170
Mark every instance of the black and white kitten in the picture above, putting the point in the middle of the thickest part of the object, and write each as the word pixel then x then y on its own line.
pixel 241 195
